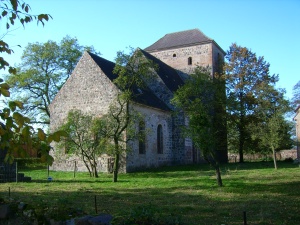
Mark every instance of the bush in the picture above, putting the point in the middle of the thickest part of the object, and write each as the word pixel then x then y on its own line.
pixel 30 163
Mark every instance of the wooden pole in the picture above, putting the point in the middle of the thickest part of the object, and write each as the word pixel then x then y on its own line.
pixel 47 170
pixel 16 172
pixel 74 168
pixel 245 218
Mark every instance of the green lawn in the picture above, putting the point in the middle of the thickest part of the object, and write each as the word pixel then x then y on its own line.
pixel 187 192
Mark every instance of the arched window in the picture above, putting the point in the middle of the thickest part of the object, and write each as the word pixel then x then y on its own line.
pixel 142 138
pixel 174 55
pixel 160 142
pixel 190 61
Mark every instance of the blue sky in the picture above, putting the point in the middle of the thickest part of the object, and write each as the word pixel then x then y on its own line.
pixel 270 28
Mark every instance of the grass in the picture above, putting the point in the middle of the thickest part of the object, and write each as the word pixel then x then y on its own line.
pixel 188 192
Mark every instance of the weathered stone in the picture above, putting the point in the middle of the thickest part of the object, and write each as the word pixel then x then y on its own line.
pixel 103 219
pixel 5 211
pixel 83 220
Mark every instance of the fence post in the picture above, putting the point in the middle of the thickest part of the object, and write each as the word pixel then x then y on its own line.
pixel 245 218
pixel 47 170
pixel 16 172
pixel 74 168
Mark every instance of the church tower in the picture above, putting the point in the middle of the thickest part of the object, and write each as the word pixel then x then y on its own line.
pixel 185 50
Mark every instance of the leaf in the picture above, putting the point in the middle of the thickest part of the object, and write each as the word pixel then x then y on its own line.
pixel 19 119
pixel 14 4
pixel 26 131
pixel 41 134
pixel 4 13
pixel 4 92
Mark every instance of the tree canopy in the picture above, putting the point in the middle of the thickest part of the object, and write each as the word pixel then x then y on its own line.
pixel 15 131
pixel 198 99
pixel 296 95
pixel 248 79
pixel 44 69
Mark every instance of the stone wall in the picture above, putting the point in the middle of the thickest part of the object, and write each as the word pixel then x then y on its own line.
pixel 152 118
pixel 88 89
pixel 202 55
pixel 280 155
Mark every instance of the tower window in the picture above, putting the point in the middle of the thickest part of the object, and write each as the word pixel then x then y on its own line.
pixel 190 61
pixel 174 55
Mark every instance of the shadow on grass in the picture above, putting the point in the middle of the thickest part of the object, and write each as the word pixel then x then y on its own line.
pixel 191 205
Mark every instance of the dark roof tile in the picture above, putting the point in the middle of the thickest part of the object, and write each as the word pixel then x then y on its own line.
pixel 182 38
pixel 141 95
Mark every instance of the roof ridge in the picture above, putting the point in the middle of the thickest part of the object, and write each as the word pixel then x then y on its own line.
pixel 179 38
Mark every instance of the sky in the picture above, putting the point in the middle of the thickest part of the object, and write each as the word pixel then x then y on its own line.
pixel 269 28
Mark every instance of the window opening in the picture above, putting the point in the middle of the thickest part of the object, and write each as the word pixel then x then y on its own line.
pixel 174 55
pixel 190 61
pixel 159 139
pixel 142 138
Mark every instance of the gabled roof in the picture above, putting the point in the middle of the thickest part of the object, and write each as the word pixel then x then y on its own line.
pixel 168 74
pixel 182 38
pixel 141 95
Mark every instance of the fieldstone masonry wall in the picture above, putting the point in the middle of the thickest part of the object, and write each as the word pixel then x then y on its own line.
pixel 88 89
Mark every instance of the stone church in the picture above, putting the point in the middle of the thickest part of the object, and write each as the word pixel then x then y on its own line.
pixel 90 89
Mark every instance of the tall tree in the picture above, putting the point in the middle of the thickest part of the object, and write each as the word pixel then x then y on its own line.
pixel 44 69
pixel 271 128
pixel 247 78
pixel 296 95
pixel 198 99
pixel 16 135
pixel 133 70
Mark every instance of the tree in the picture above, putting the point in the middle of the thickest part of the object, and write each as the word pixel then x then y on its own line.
pixel 15 11
pixel 272 130
pixel 247 78
pixel 296 95
pixel 86 138
pixel 42 72
pixel 199 98
pixel 15 132
pixel 133 70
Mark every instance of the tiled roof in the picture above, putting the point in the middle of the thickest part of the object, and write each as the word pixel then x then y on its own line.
pixel 182 38
pixel 141 95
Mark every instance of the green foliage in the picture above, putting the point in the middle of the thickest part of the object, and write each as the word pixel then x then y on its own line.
pixel 16 134
pixel 15 11
pixel 199 99
pixel 249 88
pixel 85 138
pixel 296 95
pixel 132 71
pixel 44 69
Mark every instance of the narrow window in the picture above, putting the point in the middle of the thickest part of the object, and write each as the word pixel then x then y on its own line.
pixel 159 139
pixel 174 55
pixel 190 61
pixel 142 138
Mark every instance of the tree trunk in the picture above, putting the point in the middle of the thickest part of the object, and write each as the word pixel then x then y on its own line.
pixel 274 158
pixel 116 166
pixel 116 163
pixel 218 175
